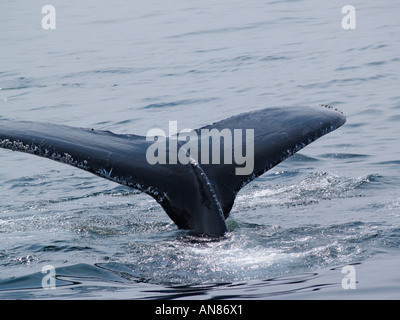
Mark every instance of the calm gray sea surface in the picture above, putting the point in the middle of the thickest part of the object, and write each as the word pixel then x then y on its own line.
pixel 129 66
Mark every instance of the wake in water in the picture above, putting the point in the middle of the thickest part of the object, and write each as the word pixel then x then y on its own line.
pixel 265 240
pixel 261 244
pixel 314 188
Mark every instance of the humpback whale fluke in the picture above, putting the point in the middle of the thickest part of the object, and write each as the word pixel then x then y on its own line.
pixel 196 196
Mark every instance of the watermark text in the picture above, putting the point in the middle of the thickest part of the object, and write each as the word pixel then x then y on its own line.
pixel 349 20
pixel 349 280
pixel 49 20
pixel 206 146
pixel 49 280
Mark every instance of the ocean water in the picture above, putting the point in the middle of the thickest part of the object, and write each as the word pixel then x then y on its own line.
pixel 129 66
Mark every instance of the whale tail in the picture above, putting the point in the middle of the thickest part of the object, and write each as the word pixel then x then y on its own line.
pixel 197 192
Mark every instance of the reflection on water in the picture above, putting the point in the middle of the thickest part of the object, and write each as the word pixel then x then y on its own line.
pixel 113 281
pixel 88 281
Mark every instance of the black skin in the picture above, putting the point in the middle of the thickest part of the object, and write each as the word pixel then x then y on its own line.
pixel 197 197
